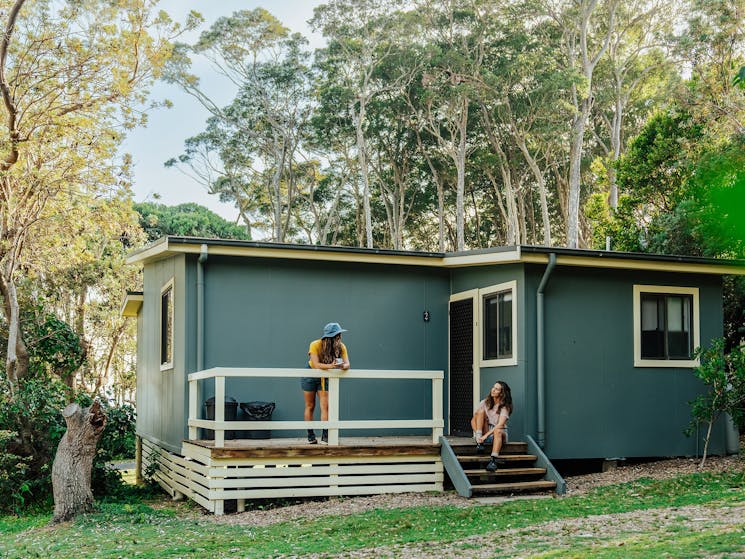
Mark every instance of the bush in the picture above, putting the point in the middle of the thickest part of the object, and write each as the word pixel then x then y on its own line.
pixel 33 415
pixel 31 426
pixel 13 475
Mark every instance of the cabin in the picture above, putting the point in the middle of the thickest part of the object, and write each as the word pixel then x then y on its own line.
pixel 597 347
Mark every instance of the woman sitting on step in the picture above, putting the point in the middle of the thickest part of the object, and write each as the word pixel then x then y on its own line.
pixel 490 419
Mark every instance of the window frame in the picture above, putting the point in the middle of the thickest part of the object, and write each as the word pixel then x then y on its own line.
pixel 168 286
pixel 693 292
pixel 482 295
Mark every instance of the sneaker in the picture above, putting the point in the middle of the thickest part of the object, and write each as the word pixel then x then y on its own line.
pixel 493 464
pixel 480 448
pixel 325 437
pixel 312 438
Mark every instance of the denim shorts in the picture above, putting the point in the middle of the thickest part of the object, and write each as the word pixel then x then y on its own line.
pixel 313 384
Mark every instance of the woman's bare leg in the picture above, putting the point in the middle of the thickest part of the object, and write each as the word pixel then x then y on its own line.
pixel 496 447
pixel 478 421
pixel 310 404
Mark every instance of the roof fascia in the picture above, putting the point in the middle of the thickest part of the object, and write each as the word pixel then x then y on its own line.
pixel 132 304
pixel 285 252
pixel 164 248
pixel 609 262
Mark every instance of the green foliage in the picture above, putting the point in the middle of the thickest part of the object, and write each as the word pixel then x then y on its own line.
pixel 32 426
pixel 54 348
pixel 33 415
pixel 13 475
pixel 724 376
pixel 189 220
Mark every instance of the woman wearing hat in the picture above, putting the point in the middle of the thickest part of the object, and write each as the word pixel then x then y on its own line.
pixel 327 353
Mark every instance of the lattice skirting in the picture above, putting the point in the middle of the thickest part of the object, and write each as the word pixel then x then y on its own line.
pixel 210 481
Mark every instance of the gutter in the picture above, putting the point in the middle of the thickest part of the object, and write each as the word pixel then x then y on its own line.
pixel 540 353
pixel 200 307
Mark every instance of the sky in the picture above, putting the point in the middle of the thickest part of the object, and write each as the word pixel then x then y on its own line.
pixel 164 136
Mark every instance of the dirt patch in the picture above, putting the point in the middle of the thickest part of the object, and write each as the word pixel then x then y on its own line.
pixel 576 485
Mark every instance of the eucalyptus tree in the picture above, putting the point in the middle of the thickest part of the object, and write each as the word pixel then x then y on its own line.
pixel 251 148
pixel 586 28
pixel 78 271
pixel 634 76
pixel 71 74
pixel 336 205
pixel 362 36
pixel 455 31
pixel 524 93
pixel 712 45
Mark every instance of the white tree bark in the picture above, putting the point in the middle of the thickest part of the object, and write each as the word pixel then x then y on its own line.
pixel 576 24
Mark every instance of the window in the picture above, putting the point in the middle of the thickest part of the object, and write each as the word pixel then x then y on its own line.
pixel 498 332
pixel 666 329
pixel 166 326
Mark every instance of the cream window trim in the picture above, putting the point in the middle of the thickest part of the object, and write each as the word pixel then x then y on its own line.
pixel 483 293
pixel 695 326
pixel 167 366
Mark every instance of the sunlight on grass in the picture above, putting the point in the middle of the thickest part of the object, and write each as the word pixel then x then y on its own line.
pixel 165 529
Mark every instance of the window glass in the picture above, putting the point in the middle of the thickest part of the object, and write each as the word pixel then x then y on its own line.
pixel 666 326
pixel 498 325
pixel 504 348
pixel 166 326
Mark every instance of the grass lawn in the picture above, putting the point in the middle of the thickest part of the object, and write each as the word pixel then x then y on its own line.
pixel 162 529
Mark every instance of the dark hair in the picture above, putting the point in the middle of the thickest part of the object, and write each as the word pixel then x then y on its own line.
pixel 505 396
pixel 330 349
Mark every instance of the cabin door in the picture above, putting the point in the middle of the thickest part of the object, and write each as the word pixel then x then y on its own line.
pixel 464 371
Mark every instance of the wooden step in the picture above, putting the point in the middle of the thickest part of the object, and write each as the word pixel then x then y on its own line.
pixel 507 472
pixel 471 459
pixel 513 487
pixel 508 448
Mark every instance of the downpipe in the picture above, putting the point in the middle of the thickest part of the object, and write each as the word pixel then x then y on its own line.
pixel 200 307
pixel 540 354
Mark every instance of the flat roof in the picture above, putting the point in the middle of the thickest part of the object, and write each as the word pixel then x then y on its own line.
pixel 172 245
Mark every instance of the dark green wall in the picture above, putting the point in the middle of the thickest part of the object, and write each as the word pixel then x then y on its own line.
pixel 265 313
pixel 161 395
pixel 598 403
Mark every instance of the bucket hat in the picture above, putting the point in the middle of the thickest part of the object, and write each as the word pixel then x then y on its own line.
pixel 332 329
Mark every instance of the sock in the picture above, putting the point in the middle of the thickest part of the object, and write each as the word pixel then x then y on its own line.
pixel 476 437
pixel 494 455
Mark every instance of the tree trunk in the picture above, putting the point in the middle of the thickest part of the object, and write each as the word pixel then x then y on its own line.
pixel 359 118
pixel 17 358
pixel 575 169
pixel 71 472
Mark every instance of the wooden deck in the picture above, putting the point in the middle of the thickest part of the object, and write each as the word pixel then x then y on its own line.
pixel 290 467
pixel 298 447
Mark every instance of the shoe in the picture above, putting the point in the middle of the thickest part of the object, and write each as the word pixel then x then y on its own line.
pixel 325 437
pixel 493 464
pixel 312 438
pixel 480 448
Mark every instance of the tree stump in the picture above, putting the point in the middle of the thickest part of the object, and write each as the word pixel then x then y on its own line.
pixel 71 472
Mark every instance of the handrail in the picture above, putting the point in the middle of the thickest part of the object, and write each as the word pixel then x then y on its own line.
pixel 333 424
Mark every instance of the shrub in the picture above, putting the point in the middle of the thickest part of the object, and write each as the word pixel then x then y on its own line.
pixel 13 475
pixel 724 376
pixel 32 425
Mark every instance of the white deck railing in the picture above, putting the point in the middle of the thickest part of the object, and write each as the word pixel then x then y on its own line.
pixel 219 425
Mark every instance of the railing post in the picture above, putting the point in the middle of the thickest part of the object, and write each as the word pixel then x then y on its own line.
pixel 193 399
pixel 334 409
pixel 219 410
pixel 436 409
